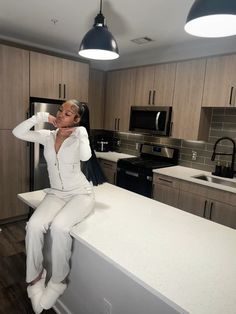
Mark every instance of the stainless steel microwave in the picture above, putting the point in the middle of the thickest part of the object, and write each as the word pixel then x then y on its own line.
pixel 150 119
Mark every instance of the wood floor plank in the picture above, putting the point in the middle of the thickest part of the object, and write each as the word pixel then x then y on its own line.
pixel 13 295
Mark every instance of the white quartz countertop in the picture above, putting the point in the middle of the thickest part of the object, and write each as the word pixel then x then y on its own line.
pixel 188 174
pixel 187 261
pixel 112 156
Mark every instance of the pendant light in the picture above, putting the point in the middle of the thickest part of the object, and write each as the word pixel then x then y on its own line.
pixel 212 18
pixel 98 43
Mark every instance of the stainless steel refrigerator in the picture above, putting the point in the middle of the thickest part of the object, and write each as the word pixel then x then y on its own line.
pixel 38 167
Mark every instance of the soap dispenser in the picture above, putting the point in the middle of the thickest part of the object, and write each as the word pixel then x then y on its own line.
pixel 218 169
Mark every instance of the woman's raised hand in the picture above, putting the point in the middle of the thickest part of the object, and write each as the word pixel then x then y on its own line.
pixel 52 120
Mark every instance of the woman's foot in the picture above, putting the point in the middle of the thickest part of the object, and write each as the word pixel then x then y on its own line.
pixel 35 291
pixel 51 294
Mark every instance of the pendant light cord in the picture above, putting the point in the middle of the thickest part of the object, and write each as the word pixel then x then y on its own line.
pixel 100 6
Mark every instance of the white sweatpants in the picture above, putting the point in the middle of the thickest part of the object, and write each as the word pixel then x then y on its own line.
pixel 60 215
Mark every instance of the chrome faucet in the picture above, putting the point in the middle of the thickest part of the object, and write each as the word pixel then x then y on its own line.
pixel 230 174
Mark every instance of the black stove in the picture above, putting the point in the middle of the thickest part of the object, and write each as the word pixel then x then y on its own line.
pixel 135 173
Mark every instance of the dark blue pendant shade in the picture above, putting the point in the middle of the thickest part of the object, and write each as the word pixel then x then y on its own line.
pixel 212 18
pixel 98 43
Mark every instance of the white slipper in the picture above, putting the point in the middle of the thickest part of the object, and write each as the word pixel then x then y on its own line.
pixel 51 294
pixel 35 293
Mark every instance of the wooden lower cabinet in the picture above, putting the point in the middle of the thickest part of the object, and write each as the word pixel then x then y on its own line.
pixel 109 169
pixel 166 190
pixel 210 203
pixel 14 177
pixel 222 213
pixel 192 203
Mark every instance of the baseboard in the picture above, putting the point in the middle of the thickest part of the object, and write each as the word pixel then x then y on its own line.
pixel 60 308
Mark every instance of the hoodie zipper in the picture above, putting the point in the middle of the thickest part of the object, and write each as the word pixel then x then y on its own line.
pixel 57 163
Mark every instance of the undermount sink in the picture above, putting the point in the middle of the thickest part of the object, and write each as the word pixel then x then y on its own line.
pixel 215 180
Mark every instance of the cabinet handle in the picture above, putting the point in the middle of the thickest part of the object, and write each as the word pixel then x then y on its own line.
pixel 106 164
pixel 171 128
pixel 153 97
pixel 118 125
pixel 115 124
pixel 211 210
pixel 204 212
pixel 64 90
pixel 59 90
pixel 149 97
pixel 231 95
pixel 165 180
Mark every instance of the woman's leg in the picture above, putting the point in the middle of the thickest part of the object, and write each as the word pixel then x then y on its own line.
pixel 74 211
pixel 36 227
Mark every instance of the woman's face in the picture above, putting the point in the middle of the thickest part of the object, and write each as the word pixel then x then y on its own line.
pixel 67 115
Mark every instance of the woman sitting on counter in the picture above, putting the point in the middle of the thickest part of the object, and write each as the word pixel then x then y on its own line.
pixel 68 201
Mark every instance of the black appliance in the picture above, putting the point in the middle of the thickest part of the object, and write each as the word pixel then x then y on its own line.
pixel 135 173
pixel 150 119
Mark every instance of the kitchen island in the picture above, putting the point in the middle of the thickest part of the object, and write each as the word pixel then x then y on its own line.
pixel 145 257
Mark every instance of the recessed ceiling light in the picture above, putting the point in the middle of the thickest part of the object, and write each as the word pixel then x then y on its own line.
pixel 142 40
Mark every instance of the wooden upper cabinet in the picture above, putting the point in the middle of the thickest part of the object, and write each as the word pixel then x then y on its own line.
pixel 119 98
pixel 75 80
pixel 144 85
pixel 96 98
pixel 189 121
pixel 14 87
pixel 45 76
pixel 220 82
pixel 155 85
pixel 58 78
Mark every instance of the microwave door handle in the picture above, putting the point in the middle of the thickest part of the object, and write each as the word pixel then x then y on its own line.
pixel 157 121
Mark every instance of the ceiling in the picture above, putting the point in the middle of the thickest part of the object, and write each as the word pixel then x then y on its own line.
pixel 30 22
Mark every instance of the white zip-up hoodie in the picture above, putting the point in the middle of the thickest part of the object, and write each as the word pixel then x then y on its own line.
pixel 65 175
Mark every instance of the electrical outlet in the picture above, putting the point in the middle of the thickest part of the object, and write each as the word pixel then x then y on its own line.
pixel 107 307
pixel 194 155
pixel 118 143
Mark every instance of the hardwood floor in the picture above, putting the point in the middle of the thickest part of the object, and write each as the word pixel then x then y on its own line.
pixel 13 295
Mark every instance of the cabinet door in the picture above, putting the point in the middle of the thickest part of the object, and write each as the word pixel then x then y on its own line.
pixel 119 98
pixel 109 170
pixel 220 82
pixel 193 203
pixel 223 213
pixel 166 189
pixel 75 79
pixel 165 194
pixel 14 87
pixel 163 88
pixel 14 177
pixel 45 76
pixel 111 104
pixel 144 85
pixel 96 98
pixel 187 99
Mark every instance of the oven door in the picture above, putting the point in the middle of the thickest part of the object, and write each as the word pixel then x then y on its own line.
pixel 134 181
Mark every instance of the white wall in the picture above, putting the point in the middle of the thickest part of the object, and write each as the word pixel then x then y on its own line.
pixel 93 278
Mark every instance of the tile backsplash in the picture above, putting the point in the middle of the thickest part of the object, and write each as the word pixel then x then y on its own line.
pixel 223 123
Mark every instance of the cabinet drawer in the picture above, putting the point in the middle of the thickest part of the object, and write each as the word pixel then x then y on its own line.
pixel 166 180
pixel 108 164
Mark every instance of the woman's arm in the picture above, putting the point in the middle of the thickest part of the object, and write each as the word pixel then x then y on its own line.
pixel 85 150
pixel 23 132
